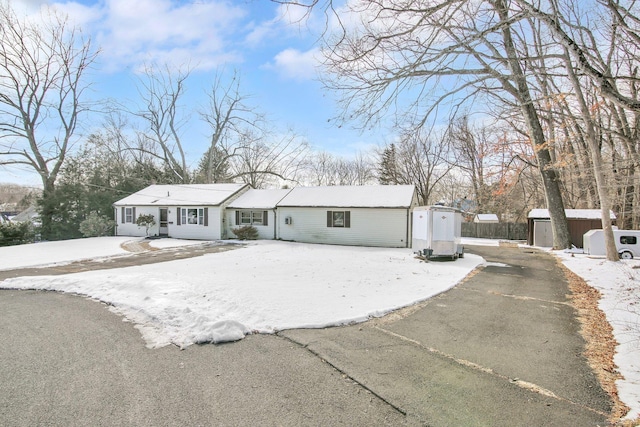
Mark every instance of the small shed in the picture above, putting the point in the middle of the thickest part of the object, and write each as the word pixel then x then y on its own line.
pixel 256 208
pixel 370 215
pixel 187 211
pixel 486 219
pixel 580 221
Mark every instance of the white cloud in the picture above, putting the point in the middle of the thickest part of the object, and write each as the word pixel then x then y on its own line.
pixel 296 65
pixel 130 33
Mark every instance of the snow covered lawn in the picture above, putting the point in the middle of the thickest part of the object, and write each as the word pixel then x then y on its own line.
pixel 264 287
pixel 619 284
pixel 66 251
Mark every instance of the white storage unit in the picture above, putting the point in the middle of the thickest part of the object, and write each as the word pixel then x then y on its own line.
pixel 627 243
pixel 437 231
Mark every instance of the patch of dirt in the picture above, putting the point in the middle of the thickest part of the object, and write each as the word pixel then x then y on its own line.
pixel 601 344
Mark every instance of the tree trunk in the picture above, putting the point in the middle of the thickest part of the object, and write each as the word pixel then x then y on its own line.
pixel 550 179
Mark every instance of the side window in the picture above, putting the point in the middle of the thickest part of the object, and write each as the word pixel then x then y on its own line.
pixel 340 219
pixel 128 214
pixel 628 240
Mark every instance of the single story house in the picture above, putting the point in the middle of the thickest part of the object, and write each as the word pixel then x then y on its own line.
pixel 189 211
pixel 486 219
pixel 580 221
pixel 376 215
pixel 256 208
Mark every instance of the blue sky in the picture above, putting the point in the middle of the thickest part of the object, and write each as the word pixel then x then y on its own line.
pixel 274 52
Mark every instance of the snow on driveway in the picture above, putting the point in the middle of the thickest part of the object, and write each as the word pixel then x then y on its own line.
pixel 265 287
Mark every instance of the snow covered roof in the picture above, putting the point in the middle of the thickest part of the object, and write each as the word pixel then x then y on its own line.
pixel 571 213
pixel 259 199
pixel 182 195
pixel 352 196
pixel 487 217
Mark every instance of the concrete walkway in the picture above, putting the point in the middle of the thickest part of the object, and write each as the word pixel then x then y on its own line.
pixel 501 349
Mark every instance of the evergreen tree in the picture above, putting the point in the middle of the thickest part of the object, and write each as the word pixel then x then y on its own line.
pixel 388 169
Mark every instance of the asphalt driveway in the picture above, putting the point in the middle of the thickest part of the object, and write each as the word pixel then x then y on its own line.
pixel 502 348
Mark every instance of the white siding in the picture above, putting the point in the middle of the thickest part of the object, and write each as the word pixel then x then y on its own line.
pixel 131 229
pixel 183 231
pixel 196 231
pixel 265 232
pixel 369 226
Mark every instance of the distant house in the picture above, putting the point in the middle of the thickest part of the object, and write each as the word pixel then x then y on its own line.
pixel 580 221
pixel 191 211
pixel 486 219
pixel 378 215
pixel 256 208
pixel 28 215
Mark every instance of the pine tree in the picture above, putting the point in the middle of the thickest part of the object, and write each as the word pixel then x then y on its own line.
pixel 388 170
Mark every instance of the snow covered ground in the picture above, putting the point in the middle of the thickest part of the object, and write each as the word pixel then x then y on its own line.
pixel 269 286
pixel 619 284
pixel 66 251
pixel 264 287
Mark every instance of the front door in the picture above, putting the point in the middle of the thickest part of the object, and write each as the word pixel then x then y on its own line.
pixel 164 222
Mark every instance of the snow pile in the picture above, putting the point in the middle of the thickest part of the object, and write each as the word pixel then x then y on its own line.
pixel 619 284
pixel 264 287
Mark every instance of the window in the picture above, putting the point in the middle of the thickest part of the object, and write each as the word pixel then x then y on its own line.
pixel 251 217
pixel 128 214
pixel 628 240
pixel 193 216
pixel 341 219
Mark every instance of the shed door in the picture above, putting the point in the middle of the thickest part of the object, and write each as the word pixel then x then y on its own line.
pixel 542 234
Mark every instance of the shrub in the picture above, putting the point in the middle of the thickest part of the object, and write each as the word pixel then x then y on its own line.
pixel 147 221
pixel 97 226
pixel 15 233
pixel 247 232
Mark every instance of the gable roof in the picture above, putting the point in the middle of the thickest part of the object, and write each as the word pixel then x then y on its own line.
pixel 259 199
pixel 571 214
pixel 351 196
pixel 182 195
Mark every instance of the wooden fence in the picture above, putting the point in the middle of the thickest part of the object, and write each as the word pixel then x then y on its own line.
pixel 506 230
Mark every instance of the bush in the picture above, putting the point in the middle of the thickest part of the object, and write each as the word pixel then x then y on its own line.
pixel 15 233
pixel 146 221
pixel 247 232
pixel 97 226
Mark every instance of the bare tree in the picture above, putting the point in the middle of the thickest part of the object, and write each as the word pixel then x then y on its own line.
pixel 161 90
pixel 410 57
pixel 43 68
pixel 230 119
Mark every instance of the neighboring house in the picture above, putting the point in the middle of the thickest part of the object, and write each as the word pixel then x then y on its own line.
pixel 348 215
pixel 28 215
pixel 190 211
pixel 580 221
pixel 256 208
pixel 486 219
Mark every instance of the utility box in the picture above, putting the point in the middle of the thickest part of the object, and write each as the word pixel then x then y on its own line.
pixel 627 243
pixel 437 231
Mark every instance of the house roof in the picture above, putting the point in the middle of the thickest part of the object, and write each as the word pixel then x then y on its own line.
pixel 182 195
pixel 571 214
pixel 259 199
pixel 353 196
pixel 487 217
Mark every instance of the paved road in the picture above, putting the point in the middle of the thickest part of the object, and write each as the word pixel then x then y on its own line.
pixel 500 349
